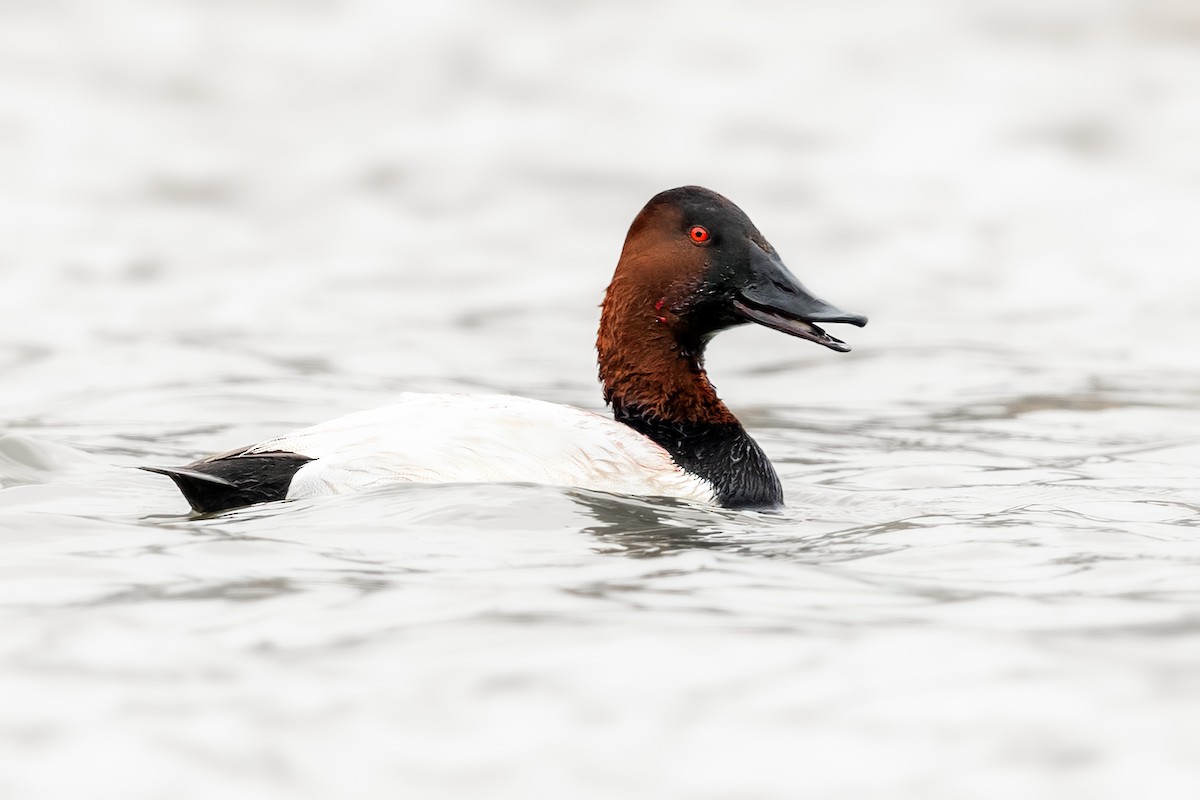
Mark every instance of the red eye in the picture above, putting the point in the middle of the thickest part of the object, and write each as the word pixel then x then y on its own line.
pixel 699 235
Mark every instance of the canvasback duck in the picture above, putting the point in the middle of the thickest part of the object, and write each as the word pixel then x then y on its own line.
pixel 693 265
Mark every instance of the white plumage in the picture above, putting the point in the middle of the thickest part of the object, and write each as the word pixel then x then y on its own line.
pixel 449 438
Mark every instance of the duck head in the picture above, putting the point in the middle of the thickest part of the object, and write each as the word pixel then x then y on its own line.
pixel 693 265
pixel 696 265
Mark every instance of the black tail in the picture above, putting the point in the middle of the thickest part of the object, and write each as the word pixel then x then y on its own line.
pixel 236 481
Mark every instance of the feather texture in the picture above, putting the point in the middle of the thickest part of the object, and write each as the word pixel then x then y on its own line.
pixel 449 438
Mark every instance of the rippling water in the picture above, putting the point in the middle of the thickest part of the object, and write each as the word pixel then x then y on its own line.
pixel 227 220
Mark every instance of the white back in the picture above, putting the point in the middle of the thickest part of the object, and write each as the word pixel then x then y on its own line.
pixel 450 438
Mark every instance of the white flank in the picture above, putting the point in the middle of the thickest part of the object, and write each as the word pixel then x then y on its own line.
pixel 449 438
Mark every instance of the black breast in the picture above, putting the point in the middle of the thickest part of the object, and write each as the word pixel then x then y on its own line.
pixel 721 453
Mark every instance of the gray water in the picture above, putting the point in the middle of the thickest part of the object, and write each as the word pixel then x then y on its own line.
pixel 222 221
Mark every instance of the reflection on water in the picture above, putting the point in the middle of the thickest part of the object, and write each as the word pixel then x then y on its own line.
pixel 224 221
pixel 642 528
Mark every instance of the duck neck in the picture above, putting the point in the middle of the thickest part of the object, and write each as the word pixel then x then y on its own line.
pixel 651 370
pixel 656 383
